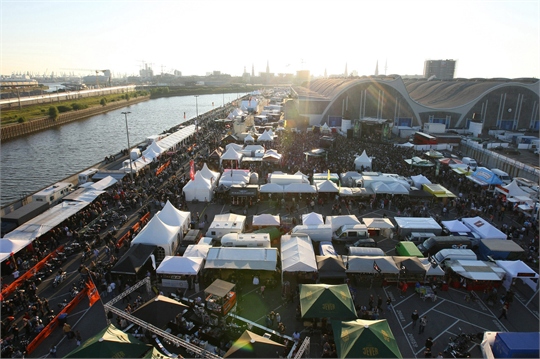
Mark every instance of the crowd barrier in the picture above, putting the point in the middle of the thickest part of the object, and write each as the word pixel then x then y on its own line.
pixel 162 167
pixel 30 273
pixel 133 229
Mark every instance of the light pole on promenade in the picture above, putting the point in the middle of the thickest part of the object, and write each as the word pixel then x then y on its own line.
pixel 129 147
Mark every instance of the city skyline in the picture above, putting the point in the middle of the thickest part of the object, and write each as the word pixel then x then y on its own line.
pixel 488 39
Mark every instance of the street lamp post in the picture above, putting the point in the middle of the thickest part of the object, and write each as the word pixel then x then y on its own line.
pixel 129 147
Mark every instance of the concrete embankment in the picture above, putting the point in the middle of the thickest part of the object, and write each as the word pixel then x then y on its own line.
pixel 23 129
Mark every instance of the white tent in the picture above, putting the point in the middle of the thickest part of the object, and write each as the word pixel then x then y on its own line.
pixel 518 269
pixel 230 155
pixel 180 265
pixel 512 190
pixel 362 160
pixel 159 234
pixel 210 175
pixel 397 188
pixel 304 177
pixel 366 264
pixel 271 188
pixel 455 226
pixel 338 221
pixel 172 216
pixel 297 254
pixel 436 271
pixel 299 188
pixel 103 184
pixel 420 180
pixel 355 191
pixel 199 189
pixel 249 139
pixel 234 113
pixel 265 137
pixel 242 258
pixel 197 250
pixel 312 218
pixel 380 187
pixel 266 219
pixel 327 186
pixel 234 176
pixel 271 156
pixel 235 146
pixel 483 228
pixel 383 225
pixel 350 178
pixel 476 270
pixel 8 246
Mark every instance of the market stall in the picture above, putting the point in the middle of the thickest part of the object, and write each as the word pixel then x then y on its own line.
pixel 475 275
pixel 176 271
pixel 379 226
pixel 220 297
pixel 518 270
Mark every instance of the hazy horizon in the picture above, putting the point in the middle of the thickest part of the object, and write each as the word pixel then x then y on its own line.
pixel 488 39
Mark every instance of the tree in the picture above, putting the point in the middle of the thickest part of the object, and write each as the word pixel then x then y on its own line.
pixel 103 101
pixel 53 113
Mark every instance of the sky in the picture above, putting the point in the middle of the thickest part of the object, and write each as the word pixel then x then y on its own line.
pixel 488 39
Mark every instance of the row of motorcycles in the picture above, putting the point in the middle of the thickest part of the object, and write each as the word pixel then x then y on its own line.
pixel 460 345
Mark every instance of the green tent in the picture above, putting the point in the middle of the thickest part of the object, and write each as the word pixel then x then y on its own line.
pixel 365 339
pixel 111 342
pixel 326 301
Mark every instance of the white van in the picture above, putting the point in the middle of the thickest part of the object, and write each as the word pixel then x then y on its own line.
pixel 454 254
pixel 252 240
pixel 54 194
pixel 419 237
pixel 317 232
pixel 502 175
pixel 350 233
pixel 134 154
pixel 471 162
pixel 85 176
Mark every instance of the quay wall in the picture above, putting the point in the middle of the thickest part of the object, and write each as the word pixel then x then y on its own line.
pixel 23 129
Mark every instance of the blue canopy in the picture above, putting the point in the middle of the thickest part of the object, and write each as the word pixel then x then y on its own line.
pixel 485 177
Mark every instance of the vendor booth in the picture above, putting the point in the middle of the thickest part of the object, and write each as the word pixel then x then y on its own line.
pixel 197 250
pixel 264 259
pixel 136 258
pixel 312 218
pixel 518 270
pixel 485 177
pixel 198 189
pixel 438 191
pixel 337 221
pixel 326 301
pixel 379 226
pixel 297 256
pixel 363 162
pixel 483 228
pixel 265 220
pixel 331 269
pixel 163 236
pixel 172 216
pixel 220 297
pixel 475 275
pixel 176 271
pixel 411 270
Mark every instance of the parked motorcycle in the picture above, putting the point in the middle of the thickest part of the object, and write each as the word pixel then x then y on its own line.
pixel 60 277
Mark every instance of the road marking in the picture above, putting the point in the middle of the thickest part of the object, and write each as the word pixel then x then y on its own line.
pixel 459 319
pixel 401 326
pixel 438 336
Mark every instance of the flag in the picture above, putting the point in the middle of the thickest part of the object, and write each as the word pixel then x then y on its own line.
pixel 92 292
pixel 376 267
pixel 192 170
pixel 328 176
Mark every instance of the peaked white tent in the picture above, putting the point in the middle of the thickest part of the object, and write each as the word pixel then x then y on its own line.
pixel 265 137
pixel 199 189
pixel 297 254
pixel 155 148
pixel 398 188
pixel 304 177
pixel 483 228
pixel 512 190
pixel 172 216
pixel 327 186
pixel 237 147
pixel 159 234
pixel 180 265
pixel 299 188
pixel 363 160
pixel 249 139
pixel 210 175
pixel 266 219
pixel 242 258
pixel 234 113
pixel 420 180
pixel 197 250
pixel 337 221
pixel 8 246
pixel 380 187
pixel 312 218
pixel 350 178
pixel 230 155
pixel 271 188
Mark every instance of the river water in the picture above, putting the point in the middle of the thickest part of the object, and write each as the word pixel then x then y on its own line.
pixel 30 163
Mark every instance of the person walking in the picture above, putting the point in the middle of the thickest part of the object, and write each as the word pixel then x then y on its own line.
pixel 504 311
pixel 423 323
pixel 67 330
pixel 379 304
pixel 429 343
pixel 414 317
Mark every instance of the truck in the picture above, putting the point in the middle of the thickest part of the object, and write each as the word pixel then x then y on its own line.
pixel 493 249
pixel 54 194
pixel 453 254
pixel 434 244
pixel 317 232
pixel 407 225
pixel 350 233
pixel 256 240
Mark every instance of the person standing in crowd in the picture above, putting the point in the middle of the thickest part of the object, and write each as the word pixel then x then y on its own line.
pixel 414 317
pixel 504 311
pixel 423 323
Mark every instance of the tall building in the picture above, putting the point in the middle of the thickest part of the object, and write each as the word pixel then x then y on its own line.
pixel 441 69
